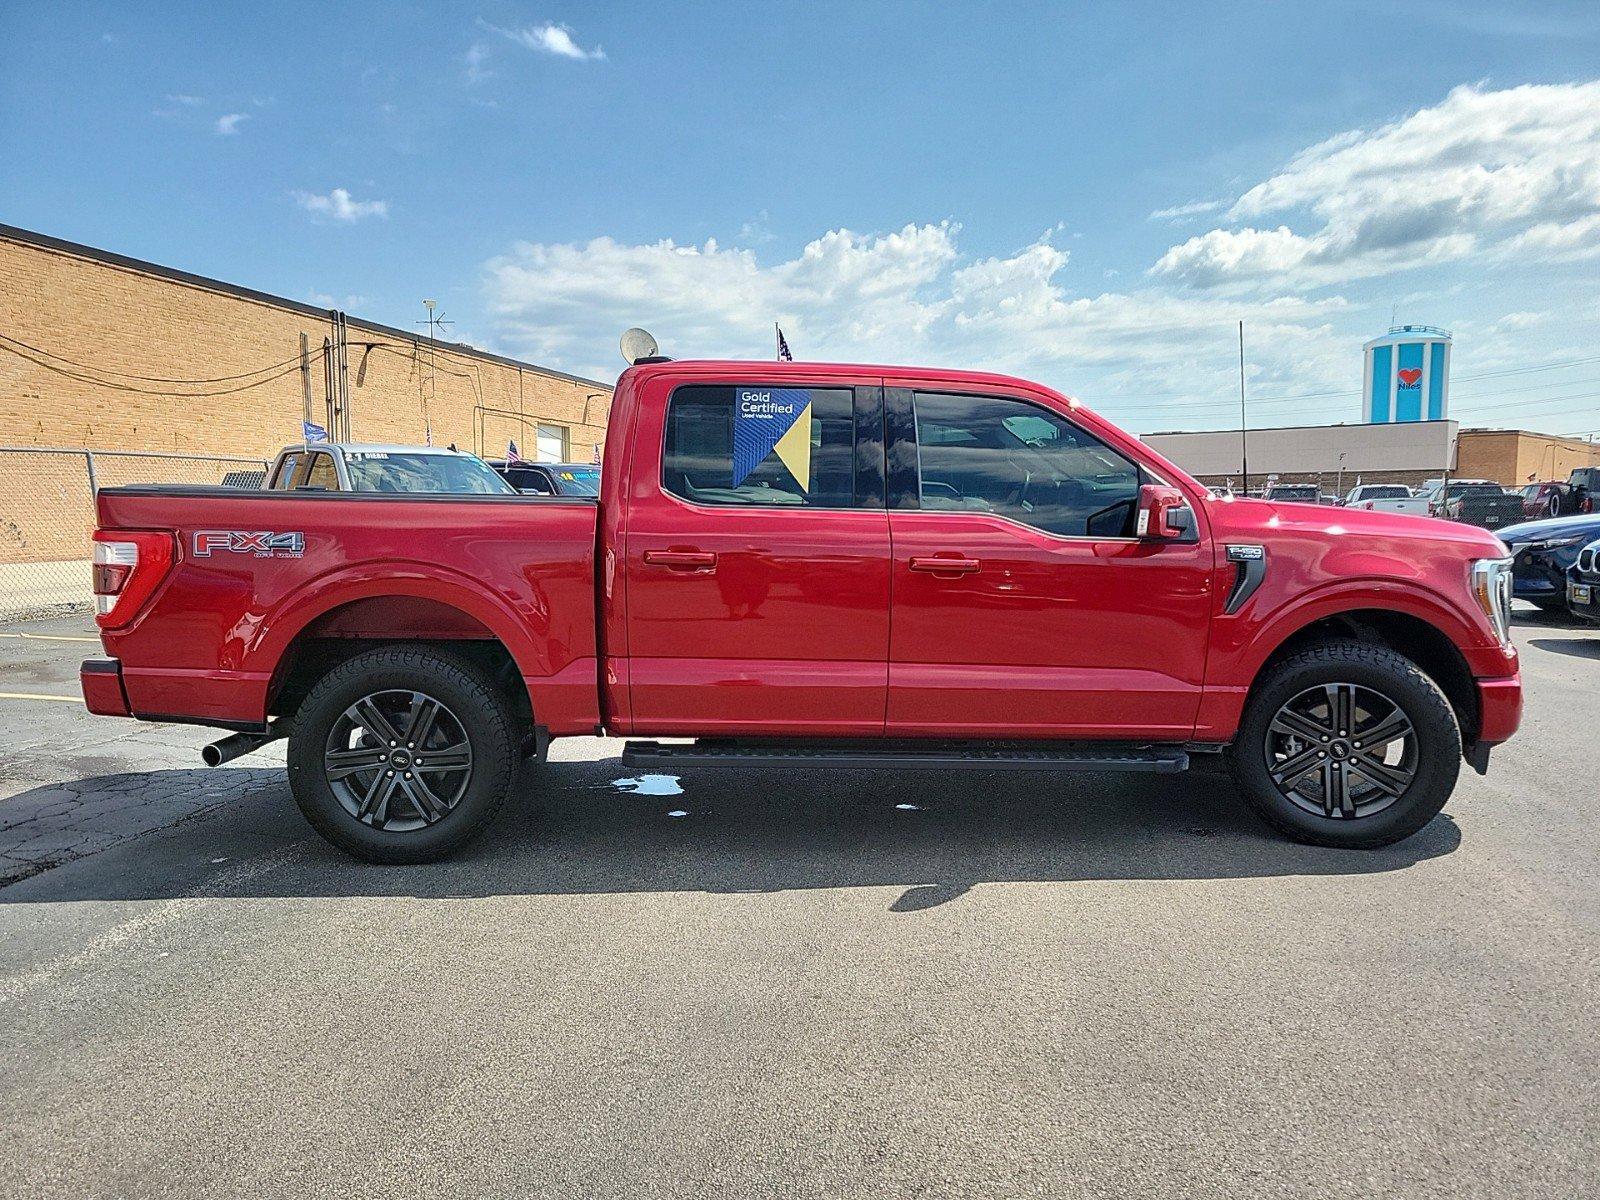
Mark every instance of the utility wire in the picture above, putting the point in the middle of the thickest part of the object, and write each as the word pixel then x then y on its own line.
pixel 80 377
pixel 145 378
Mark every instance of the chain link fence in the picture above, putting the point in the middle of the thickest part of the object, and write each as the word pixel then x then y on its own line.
pixel 47 514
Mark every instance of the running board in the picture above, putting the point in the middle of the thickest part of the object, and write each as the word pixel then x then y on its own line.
pixel 978 756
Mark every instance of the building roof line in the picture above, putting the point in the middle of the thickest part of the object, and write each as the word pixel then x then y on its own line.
pixel 173 274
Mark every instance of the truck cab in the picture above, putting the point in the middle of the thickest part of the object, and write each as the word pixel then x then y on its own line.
pixel 359 467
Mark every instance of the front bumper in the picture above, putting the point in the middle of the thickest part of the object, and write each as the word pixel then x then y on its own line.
pixel 1499 709
pixel 103 693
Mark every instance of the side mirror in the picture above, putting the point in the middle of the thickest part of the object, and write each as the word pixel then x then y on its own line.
pixel 1164 514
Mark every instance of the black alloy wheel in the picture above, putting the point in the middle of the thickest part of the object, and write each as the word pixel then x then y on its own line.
pixel 1341 751
pixel 398 760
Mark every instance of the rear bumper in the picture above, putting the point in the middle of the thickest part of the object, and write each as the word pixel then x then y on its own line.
pixel 1499 709
pixel 103 693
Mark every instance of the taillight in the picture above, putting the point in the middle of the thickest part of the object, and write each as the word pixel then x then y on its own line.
pixel 128 565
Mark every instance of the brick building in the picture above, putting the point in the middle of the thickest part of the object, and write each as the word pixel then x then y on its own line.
pixel 1336 456
pixel 93 346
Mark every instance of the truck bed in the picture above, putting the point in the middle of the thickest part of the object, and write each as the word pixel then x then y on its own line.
pixel 241 603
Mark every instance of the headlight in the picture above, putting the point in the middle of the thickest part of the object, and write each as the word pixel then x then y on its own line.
pixel 1491 584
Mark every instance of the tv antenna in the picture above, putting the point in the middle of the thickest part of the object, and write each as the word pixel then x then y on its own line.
pixel 436 324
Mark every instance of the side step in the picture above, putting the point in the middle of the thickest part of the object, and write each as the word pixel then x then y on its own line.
pixel 890 755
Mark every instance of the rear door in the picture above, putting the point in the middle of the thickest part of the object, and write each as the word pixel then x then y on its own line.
pixel 1023 603
pixel 757 558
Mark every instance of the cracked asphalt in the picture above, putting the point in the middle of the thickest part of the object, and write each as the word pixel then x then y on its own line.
pixel 747 984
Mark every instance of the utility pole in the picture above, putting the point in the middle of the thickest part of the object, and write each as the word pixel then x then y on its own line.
pixel 305 378
pixel 1244 424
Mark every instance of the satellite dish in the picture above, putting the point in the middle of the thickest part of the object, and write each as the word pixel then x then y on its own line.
pixel 637 344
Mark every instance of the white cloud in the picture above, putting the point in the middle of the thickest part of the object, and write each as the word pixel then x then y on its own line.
pixel 1181 211
pixel 186 101
pixel 341 206
pixel 1503 173
pixel 477 58
pixel 907 296
pixel 549 38
pixel 228 124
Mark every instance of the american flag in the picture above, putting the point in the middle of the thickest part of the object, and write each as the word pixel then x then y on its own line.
pixel 783 346
pixel 513 457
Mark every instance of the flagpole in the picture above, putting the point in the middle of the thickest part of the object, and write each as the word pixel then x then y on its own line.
pixel 1244 424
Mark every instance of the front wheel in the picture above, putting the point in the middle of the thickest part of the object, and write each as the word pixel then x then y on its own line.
pixel 1347 744
pixel 402 754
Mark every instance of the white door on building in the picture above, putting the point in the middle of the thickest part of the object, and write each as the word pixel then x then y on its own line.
pixel 552 444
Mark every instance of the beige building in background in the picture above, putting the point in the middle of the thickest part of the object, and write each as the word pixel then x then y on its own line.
pixel 95 348
pixel 1411 452
pixel 115 371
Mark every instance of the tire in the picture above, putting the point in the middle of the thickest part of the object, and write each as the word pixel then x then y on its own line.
pixel 362 801
pixel 1373 802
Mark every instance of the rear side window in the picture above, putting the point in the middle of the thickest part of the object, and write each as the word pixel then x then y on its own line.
pixel 759 445
pixel 284 476
pixel 991 454
pixel 322 475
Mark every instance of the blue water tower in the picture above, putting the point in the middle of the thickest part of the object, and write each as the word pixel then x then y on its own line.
pixel 1407 375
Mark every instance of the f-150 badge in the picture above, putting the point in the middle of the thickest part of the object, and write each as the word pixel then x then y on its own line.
pixel 262 543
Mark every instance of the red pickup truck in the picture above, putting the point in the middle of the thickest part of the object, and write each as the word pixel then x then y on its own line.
pixel 804 565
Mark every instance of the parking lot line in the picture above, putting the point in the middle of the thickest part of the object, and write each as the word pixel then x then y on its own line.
pixel 48 637
pixel 37 696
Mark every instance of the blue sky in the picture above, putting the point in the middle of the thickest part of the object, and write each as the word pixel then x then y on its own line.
pixel 1090 195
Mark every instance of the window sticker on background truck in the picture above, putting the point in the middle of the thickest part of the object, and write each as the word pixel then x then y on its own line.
pixel 262 543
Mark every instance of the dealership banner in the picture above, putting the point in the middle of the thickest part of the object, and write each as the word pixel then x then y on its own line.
pixel 768 421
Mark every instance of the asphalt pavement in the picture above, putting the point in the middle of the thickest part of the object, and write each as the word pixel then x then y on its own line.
pixel 750 984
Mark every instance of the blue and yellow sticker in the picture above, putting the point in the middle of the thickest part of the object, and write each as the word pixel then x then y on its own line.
pixel 772 421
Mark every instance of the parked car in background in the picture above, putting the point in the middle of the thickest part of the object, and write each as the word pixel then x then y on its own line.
pixel 1480 502
pixel 1543 551
pixel 1583 583
pixel 351 467
pixel 1548 499
pixel 1584 486
pixel 550 479
pixel 1386 497
pixel 1298 493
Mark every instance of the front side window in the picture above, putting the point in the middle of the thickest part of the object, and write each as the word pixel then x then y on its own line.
pixel 991 454
pixel 760 445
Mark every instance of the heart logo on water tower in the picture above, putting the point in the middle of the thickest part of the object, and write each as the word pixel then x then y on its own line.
pixel 1410 376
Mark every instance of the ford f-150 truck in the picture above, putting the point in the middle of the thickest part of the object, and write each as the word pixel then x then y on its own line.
pixel 804 565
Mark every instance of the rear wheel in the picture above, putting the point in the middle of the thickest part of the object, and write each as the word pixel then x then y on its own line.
pixel 1347 744
pixel 402 754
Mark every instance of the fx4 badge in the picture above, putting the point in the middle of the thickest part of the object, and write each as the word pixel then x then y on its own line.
pixel 262 543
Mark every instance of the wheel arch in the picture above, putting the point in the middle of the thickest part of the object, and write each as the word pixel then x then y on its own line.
pixel 1412 636
pixel 317 636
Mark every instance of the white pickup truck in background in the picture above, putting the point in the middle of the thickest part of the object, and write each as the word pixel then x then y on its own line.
pixel 1387 497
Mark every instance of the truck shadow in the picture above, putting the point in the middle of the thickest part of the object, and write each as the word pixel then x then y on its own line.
pixel 1578 647
pixel 572 830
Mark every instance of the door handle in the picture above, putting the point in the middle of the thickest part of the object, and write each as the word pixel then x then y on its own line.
pixel 681 560
pixel 946 566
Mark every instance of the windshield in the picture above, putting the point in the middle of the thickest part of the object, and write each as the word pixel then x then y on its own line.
pixel 407 471
pixel 1389 492
pixel 578 481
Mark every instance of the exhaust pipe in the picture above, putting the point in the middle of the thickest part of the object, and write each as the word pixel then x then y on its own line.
pixel 235 744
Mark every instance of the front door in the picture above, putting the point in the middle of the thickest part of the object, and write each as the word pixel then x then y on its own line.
pixel 758 561
pixel 1024 605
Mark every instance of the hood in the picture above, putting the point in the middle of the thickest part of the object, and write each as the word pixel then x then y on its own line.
pixel 1528 531
pixel 1345 526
